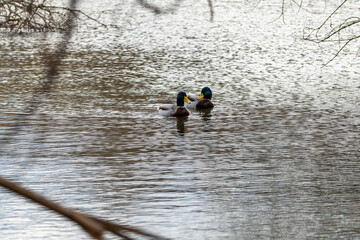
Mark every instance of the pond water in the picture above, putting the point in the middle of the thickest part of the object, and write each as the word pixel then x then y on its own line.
pixel 277 158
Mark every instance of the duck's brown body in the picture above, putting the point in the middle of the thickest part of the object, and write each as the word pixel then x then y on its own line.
pixel 204 104
pixel 181 112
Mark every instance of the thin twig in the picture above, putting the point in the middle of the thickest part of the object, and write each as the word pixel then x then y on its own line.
pixel 341 49
pixel 37 15
pixel 335 30
pixel 329 17
pixel 79 12
pixel 282 14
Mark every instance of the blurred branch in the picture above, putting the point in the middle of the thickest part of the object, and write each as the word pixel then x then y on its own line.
pixel 95 227
pixel 171 8
pixel 149 6
pixel 89 225
pixel 158 10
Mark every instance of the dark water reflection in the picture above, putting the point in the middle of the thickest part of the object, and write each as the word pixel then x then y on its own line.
pixel 277 158
pixel 181 125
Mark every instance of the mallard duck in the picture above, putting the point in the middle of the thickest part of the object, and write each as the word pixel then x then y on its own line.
pixel 201 102
pixel 175 110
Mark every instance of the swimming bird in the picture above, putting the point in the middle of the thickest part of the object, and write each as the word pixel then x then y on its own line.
pixel 175 110
pixel 202 101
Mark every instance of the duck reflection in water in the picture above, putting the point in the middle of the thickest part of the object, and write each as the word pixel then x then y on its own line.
pixel 206 118
pixel 180 125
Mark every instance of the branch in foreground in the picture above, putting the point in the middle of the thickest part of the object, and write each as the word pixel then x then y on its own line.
pixel 95 227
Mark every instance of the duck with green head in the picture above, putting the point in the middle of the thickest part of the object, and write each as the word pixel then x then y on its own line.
pixel 176 110
pixel 202 101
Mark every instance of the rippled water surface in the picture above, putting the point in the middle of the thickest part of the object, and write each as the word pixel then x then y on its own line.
pixel 277 158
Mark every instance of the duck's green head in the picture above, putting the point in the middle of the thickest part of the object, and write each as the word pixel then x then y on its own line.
pixel 205 93
pixel 181 97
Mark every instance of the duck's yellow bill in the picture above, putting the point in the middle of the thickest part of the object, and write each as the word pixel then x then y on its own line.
pixel 201 96
pixel 186 100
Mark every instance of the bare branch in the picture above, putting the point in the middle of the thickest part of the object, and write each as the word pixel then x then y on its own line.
pixel 344 25
pixel 78 12
pixel 327 31
pixel 329 17
pixel 37 15
pixel 341 49
pixel 282 13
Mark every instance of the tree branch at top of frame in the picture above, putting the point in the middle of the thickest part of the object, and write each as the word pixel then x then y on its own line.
pixel 37 15
pixel 344 31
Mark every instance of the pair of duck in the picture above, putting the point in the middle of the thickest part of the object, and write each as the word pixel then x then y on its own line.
pixel 184 101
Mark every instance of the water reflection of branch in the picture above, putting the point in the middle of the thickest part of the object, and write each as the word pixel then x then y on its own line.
pixel 94 226
pixel 53 63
